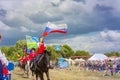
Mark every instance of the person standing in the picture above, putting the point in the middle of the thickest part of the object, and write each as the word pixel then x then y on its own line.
pixel 2 57
pixel 4 62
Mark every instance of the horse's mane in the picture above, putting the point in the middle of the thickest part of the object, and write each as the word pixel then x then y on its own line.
pixel 44 59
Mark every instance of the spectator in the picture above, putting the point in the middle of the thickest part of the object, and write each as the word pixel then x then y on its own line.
pixel 3 63
pixel 2 57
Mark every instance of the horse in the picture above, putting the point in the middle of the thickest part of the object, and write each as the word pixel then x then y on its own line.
pixel 25 67
pixel 32 67
pixel 42 66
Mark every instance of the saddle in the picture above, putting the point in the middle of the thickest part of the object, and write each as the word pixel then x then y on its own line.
pixel 36 60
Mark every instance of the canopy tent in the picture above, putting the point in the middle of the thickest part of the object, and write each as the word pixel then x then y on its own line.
pixel 79 60
pixel 62 63
pixel 112 58
pixel 118 58
pixel 98 56
pixel 70 61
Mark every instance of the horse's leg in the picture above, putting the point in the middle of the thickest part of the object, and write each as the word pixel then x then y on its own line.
pixel 41 76
pixel 26 73
pixel 33 76
pixel 47 75
pixel 28 69
pixel 36 76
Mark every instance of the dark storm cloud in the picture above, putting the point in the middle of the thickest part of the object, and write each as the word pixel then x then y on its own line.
pixel 109 20
pixel 102 18
pixel 42 17
pixel 57 4
pixel 83 1
pixel 2 13
pixel 103 8
pixel 13 23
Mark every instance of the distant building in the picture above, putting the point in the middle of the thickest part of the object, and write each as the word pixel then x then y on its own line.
pixel 78 57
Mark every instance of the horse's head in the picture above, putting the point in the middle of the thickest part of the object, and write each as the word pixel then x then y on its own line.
pixel 44 59
pixel 47 52
pixel 47 55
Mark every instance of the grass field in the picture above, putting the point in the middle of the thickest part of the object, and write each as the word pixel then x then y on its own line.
pixel 68 74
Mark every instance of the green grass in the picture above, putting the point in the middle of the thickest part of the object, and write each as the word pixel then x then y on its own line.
pixel 69 74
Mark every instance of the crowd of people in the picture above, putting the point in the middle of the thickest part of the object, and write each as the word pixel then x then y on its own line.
pixel 109 67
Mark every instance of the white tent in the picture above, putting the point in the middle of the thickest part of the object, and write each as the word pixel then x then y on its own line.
pixel 79 60
pixel 70 61
pixel 118 58
pixel 98 56
pixel 76 60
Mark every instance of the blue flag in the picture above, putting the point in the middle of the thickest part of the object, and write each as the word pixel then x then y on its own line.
pixel 57 47
pixel 32 42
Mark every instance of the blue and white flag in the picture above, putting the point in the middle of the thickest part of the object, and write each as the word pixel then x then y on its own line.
pixel 57 47
pixel 32 41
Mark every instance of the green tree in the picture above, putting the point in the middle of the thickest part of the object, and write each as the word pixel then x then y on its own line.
pixel 81 53
pixel 112 54
pixel 20 44
pixel 4 49
pixel 54 54
pixel 67 51
pixel 11 52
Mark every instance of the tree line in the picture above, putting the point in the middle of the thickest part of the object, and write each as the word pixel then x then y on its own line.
pixel 14 52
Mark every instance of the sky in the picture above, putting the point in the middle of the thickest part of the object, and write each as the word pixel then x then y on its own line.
pixel 93 25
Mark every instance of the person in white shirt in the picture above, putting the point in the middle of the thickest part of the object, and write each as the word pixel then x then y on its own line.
pixel 2 57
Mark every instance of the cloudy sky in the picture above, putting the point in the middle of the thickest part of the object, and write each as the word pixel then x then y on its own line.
pixel 93 25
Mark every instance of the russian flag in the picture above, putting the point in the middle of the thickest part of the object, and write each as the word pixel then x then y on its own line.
pixel 52 28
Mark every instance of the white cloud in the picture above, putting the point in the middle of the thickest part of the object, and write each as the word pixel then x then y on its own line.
pixel 4 27
pixel 91 43
pixel 24 29
pixel 81 18
pixel 110 35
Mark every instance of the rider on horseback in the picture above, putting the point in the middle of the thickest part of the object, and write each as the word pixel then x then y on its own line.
pixel 41 50
pixel 33 54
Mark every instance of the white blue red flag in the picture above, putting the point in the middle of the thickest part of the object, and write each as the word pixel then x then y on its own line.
pixel 52 28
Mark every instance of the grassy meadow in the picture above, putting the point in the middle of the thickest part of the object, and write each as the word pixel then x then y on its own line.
pixel 68 74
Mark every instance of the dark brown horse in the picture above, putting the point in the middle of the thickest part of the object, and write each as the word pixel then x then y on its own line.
pixel 42 66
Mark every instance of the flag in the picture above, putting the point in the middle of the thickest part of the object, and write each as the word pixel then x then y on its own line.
pixel 32 42
pixel 52 28
pixel 57 47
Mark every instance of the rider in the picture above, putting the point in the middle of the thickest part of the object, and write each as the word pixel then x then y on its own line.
pixel 33 54
pixel 2 56
pixel 41 50
pixel 41 46
pixel 22 59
